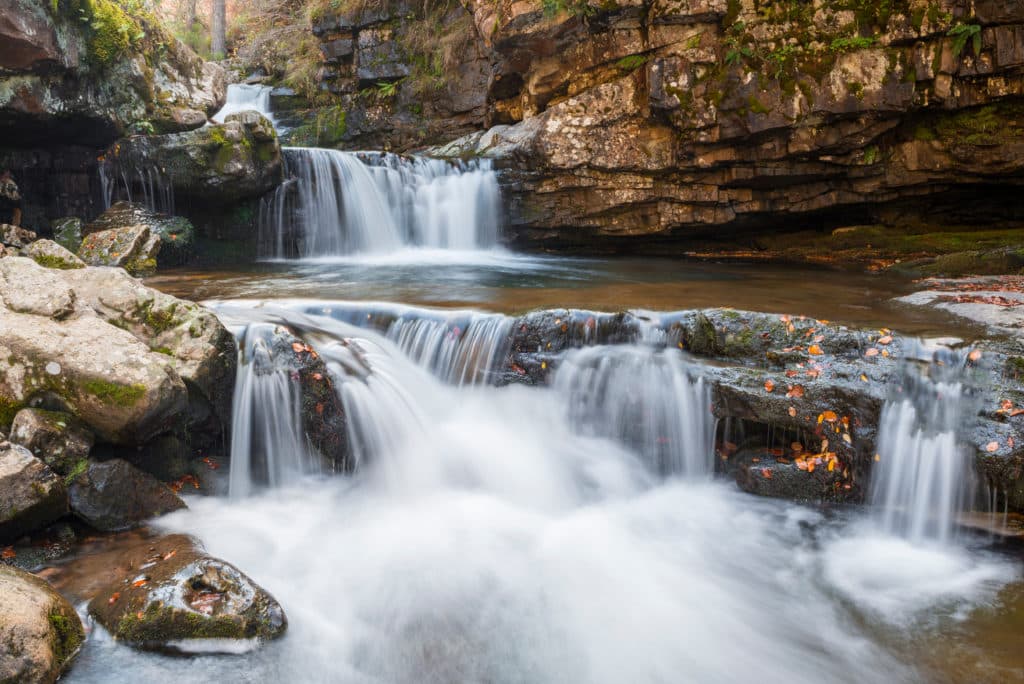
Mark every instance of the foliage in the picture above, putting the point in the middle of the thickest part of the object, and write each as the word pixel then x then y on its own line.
pixel 850 44
pixel 112 26
pixel 632 62
pixel 961 33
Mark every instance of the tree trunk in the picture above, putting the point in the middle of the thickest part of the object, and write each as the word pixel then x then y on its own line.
pixel 218 30
pixel 190 14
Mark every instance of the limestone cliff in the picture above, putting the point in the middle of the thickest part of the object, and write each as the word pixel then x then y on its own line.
pixel 684 119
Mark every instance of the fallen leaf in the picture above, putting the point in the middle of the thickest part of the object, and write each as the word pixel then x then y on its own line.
pixel 792 412
pixel 170 554
pixel 141 582
pixel 871 352
pixel 792 373
pixel 877 458
pixel 992 447
pixel 863 377
pixel 974 355
pixel 831 466
pixel 769 386
pixel 830 416
pixel 297 347
pixel 815 350
pixel 113 598
pixel 795 392
pixel 810 466
pixel 8 553
pixel 766 473
pixel 885 340
pixel 846 438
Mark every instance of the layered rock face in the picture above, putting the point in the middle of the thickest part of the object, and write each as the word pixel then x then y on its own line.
pixel 74 76
pixel 405 74
pixel 668 121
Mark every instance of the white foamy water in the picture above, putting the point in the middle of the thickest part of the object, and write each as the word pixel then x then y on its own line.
pixel 246 98
pixel 526 535
pixel 369 203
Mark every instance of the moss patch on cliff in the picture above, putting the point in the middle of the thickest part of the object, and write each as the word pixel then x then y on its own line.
pixel 112 393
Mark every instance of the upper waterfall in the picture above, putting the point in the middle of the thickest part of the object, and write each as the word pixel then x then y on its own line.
pixel 245 98
pixel 342 203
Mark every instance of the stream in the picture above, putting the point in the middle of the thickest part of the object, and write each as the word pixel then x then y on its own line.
pixel 572 532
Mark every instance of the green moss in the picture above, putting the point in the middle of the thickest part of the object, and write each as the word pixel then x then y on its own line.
pixel 166 351
pixel 157 320
pixel 68 635
pixel 50 261
pixel 924 134
pixel 112 393
pixel 756 106
pixel 75 471
pixel 113 31
pixel 8 409
pixel 632 62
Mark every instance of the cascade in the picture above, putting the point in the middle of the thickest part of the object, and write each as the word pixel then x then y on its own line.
pixel 344 203
pixel 267 443
pixel 133 179
pixel 648 398
pixel 242 98
pixel 923 476
pixel 461 351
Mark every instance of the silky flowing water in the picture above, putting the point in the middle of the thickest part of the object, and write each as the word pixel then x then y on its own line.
pixel 567 533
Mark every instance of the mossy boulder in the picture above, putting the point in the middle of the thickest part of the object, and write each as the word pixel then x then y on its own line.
pixel 31 495
pixel 56 438
pixel 131 247
pixel 67 232
pixel 221 163
pixel 40 630
pixel 179 598
pixel 176 234
pixel 115 495
pixel 52 255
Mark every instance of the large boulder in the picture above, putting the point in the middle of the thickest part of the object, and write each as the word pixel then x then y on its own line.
pixel 220 163
pixel 177 597
pixel 52 255
pixel 176 234
pixel 56 353
pixel 58 439
pixel 40 630
pixel 31 495
pixel 115 495
pixel 183 334
pixel 132 247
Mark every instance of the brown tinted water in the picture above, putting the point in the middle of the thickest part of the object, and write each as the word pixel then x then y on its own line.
pixel 514 284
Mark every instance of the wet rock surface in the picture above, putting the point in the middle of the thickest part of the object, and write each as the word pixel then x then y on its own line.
pixel 172 595
pixel 115 495
pixel 31 495
pixel 176 233
pixel 58 439
pixel 133 248
pixel 39 629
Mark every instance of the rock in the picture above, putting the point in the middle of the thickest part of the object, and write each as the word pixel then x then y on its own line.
pixel 32 289
pixel 179 598
pixel 133 247
pixel 176 233
pixel 40 630
pixel 115 495
pixel 125 392
pixel 15 236
pixel 52 255
pixel 182 334
pixel 67 232
pixel 31 495
pixel 221 163
pixel 57 439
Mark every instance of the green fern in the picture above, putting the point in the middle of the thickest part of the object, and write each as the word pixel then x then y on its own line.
pixel 962 33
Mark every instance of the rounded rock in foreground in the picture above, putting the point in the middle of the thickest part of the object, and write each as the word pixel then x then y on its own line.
pixel 180 599
pixel 40 632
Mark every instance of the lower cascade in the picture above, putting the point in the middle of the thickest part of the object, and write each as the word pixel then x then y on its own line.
pixel 923 477
pixel 344 203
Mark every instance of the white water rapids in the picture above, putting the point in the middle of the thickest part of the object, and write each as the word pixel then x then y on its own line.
pixel 521 535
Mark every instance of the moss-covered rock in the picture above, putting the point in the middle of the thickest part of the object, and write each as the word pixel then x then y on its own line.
pixel 132 247
pixel 176 234
pixel 182 599
pixel 56 438
pixel 52 255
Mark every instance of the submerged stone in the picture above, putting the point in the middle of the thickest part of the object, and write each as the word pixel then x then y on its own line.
pixel 178 598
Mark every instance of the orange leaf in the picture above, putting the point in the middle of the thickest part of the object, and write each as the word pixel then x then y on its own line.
pixel 810 466
pixel 141 582
pixel 831 465
pixel 113 597
pixel 830 416
pixel 814 350
pixel 885 340
pixel 795 392
pixel 792 412
pixel 992 447
pixel 863 377
pixel 974 355
pixel 769 386
pixel 871 352
pixel 297 347
pixel 8 553
pixel 766 473
pixel 791 373
pixel 1016 412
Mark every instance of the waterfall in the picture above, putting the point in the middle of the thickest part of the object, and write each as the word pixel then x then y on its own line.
pixel 134 179
pixel 650 399
pixel 267 442
pixel 923 476
pixel 246 98
pixel 460 351
pixel 344 203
